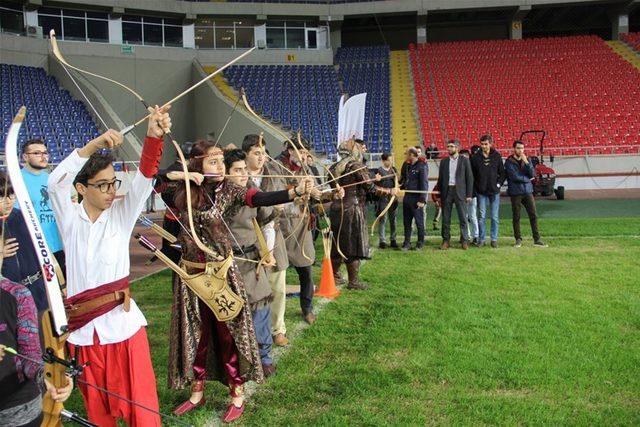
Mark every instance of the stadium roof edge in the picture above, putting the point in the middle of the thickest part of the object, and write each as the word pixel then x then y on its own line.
pixel 188 8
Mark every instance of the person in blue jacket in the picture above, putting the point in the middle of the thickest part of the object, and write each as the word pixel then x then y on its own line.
pixel 519 174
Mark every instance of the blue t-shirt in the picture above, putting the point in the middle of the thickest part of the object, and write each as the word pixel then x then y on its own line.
pixel 39 195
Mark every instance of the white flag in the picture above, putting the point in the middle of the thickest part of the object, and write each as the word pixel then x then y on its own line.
pixel 351 117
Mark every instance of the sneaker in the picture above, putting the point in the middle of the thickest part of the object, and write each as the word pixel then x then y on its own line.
pixel 540 244
pixel 394 244
pixel 518 243
pixel 478 244
pixel 494 244
pixel 405 248
pixel 419 245
pixel 382 245
pixel 474 242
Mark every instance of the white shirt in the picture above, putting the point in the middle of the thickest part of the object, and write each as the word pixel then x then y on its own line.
pixel 453 168
pixel 98 253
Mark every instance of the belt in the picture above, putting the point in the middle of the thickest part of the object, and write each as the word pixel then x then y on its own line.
pixel 245 250
pixel 30 280
pixel 83 308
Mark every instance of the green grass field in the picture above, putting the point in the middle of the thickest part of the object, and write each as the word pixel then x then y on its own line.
pixel 510 336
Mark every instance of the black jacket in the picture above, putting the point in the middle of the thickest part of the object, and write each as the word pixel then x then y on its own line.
pixel 25 262
pixel 417 178
pixel 488 173
pixel 464 178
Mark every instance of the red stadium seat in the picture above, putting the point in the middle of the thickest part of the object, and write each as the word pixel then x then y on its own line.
pixel 576 88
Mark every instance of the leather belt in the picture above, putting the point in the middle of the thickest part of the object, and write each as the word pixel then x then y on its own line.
pixel 245 250
pixel 83 308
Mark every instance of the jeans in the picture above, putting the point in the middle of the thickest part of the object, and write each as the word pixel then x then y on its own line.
pixel 530 205
pixel 472 218
pixel 494 204
pixel 447 206
pixel 411 211
pixel 382 226
pixel 262 326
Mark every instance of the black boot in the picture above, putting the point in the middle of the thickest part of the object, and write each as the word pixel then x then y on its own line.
pixel 353 268
pixel 335 264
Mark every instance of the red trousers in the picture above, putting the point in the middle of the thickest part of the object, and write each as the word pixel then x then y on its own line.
pixel 225 345
pixel 122 368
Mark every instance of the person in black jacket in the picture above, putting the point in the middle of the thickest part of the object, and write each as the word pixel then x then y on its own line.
pixel 417 175
pixel 488 176
pixel 519 174
pixel 20 260
pixel 388 172
pixel 455 180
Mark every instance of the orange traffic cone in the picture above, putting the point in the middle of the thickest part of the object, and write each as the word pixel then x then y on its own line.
pixel 327 282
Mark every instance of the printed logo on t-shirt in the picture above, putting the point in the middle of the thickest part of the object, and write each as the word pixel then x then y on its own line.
pixel 46 214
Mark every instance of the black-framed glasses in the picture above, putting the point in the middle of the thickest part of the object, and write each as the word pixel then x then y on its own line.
pixel 105 187
pixel 39 153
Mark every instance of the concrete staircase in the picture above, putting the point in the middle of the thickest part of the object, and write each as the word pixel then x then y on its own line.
pixel 221 83
pixel 404 128
pixel 626 52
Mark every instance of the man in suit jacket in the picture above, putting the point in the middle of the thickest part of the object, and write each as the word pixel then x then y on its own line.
pixel 455 179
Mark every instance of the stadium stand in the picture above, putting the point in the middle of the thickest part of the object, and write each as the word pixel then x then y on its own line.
pixel 53 115
pixel 295 97
pixel 366 69
pixel 306 97
pixel 576 88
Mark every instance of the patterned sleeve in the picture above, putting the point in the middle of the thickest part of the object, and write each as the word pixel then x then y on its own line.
pixel 28 338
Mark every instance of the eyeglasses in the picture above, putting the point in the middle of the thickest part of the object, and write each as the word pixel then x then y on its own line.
pixel 39 153
pixel 8 196
pixel 105 187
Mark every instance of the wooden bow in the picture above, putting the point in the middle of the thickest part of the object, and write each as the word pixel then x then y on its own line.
pixel 54 320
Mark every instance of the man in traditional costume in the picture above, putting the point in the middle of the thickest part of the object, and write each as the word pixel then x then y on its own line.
pixel 348 216
pixel 264 175
pixel 107 327
pixel 295 223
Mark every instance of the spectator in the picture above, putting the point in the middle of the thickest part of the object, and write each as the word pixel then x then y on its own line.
pixel 455 180
pixel 432 151
pixel 388 173
pixel 519 174
pixel 488 176
pixel 36 161
pixel 417 175
pixel 472 214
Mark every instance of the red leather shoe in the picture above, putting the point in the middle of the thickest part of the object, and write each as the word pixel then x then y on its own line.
pixel 233 413
pixel 188 406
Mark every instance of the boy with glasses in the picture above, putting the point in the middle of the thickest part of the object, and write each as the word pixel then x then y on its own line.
pixel 106 326
pixel 35 174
